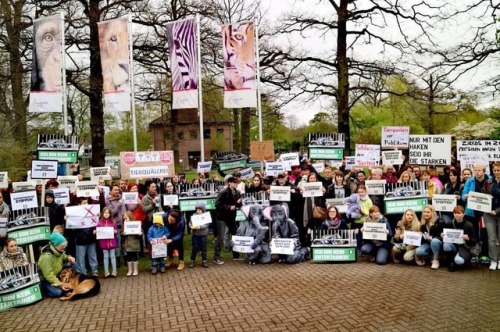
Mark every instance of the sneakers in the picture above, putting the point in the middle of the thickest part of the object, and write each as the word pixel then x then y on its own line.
pixel 154 270
pixel 204 264
pixel 493 266
pixel 95 274
pixel 435 264
pixel 113 274
pixel 485 260
pixel 162 269
pixel 107 275
pixel 218 261
pixel 191 264
pixel 474 259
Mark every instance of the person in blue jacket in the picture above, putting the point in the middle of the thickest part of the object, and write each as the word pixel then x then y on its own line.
pixel 155 232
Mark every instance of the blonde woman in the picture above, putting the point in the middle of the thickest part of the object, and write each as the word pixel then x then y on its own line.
pixel 431 230
pixel 409 222
pixel 405 177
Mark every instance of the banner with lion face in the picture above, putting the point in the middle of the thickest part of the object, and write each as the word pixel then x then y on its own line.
pixel 115 63
pixel 238 51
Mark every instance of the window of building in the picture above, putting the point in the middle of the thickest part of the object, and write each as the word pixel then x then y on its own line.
pixel 206 134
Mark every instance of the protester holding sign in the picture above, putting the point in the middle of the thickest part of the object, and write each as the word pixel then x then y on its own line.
pixel 132 245
pixel 409 222
pixel 157 232
pixel 12 256
pixel 453 187
pixel 431 230
pixel 376 248
pixel 338 189
pixel 108 246
pixel 252 227
pixel 492 219
pixel 459 254
pixel 114 202
pixel 285 228
pixel 310 221
pixel 85 246
pixel 199 238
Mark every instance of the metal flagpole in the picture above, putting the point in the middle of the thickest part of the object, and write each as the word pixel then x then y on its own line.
pixel 131 77
pixel 63 70
pixel 257 59
pixel 200 96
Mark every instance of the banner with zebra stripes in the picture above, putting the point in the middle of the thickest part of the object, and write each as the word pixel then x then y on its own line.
pixel 183 53
pixel 238 49
pixel 115 63
pixel 46 70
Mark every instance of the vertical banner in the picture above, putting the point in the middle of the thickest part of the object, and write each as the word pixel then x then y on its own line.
pixel 115 63
pixel 238 49
pixel 46 76
pixel 182 47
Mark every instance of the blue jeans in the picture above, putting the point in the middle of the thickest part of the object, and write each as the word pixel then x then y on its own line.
pixel 90 251
pixel 426 249
pixel 380 252
pixel 109 255
pixel 158 262
pixel 452 250
pixel 51 291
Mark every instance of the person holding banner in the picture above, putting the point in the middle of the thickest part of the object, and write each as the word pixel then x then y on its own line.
pixel 132 244
pixel 492 219
pixel 114 202
pixel 453 187
pixel 285 228
pixel 431 230
pixel 85 246
pixel 51 262
pixel 199 238
pixel 409 222
pixel 311 222
pixel 377 248
pixel 459 254
pixel 157 232
pixel 108 246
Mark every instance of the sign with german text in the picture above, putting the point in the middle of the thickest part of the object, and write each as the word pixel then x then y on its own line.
pixel 132 228
pixel 204 167
pixel 375 187
pixel 445 203
pixel 23 200
pixel 282 246
pixel 312 189
pixel 487 148
pixel 451 235
pixel 280 193
pixel 412 238
pixel 147 164
pixel 392 157
pixel 367 155
pixel 43 169
pixel 61 195
pixel 4 180
pixel 479 202
pixel 242 243
pixel 395 137
pixel 201 219
pixel 100 173
pixel 430 149
pixel 374 231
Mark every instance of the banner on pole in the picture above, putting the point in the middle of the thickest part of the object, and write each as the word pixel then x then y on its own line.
pixel 238 49
pixel 46 76
pixel 181 36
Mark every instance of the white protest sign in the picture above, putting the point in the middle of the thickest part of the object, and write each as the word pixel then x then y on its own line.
pixel 395 137
pixel 4 180
pixel 312 189
pixel 279 193
pixel 375 187
pixel 86 189
pixel 350 162
pixel 130 197
pixel 282 246
pixel 82 216
pixel 37 182
pixel 67 181
pixel 147 164
pixel 204 167
pixel 105 191
pixel 158 248
pixel 374 231
pixel 392 157
pixel 24 186
pixel 367 155
pixel 61 195
pixel 274 168
pixel 339 203
pixel 43 169
pixel 100 173
pixel 444 203
pixel 132 228
pixel 247 173
pixel 289 160
pixel 23 200
pixel 201 219
pixel 3 226
pixel 430 149
pixel 479 202
pixel 242 243
pixel 105 233
pixel 468 161
pixel 412 238
pixel 170 200
pixel 451 235
pixel 319 167
pixel 490 149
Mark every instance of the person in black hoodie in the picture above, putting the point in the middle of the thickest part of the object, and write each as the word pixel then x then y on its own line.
pixel 85 246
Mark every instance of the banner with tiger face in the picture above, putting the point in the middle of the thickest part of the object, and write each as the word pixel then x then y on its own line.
pixel 115 63
pixel 46 73
pixel 238 49
pixel 183 54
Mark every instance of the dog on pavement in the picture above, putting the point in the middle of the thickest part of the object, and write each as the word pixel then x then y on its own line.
pixel 80 285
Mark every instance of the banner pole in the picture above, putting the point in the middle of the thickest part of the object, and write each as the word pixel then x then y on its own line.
pixel 257 59
pixel 131 78
pixel 63 71
pixel 200 96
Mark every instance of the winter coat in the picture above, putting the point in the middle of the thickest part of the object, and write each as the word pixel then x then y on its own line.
pixel 203 230
pixel 50 263
pixel 117 208
pixel 386 244
pixel 470 185
pixel 11 260
pixel 107 244
pixel 227 198
pixel 176 230
pixel 157 231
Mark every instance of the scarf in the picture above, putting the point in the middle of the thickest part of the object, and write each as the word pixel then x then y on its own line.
pixel 10 260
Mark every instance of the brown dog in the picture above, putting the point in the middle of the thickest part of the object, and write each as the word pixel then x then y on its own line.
pixel 80 285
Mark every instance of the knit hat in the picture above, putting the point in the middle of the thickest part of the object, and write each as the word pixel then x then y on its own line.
pixel 50 193
pixel 200 206
pixel 57 239
pixel 158 219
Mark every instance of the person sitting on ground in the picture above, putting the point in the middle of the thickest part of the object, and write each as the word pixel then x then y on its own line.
pixel 12 256
pixel 378 249
pixel 252 227
pixel 459 254
pixel 409 222
pixel 431 230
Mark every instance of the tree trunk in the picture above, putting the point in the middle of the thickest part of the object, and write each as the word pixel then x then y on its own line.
pixel 95 95
pixel 343 76
pixel 236 132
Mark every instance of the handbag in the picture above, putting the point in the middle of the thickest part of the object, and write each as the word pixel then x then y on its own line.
pixel 475 250
pixel 319 212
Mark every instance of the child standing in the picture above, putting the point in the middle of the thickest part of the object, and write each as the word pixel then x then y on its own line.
pixel 132 246
pixel 157 231
pixel 199 239
pixel 108 246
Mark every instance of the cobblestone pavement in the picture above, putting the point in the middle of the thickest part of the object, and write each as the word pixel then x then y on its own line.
pixel 304 297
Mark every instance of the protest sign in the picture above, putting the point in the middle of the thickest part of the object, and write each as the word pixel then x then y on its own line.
pixel 374 231
pixel 158 248
pixel 282 246
pixel 312 189
pixel 395 137
pixel 105 233
pixel 279 193
pixel 262 150
pixel 146 164
pixel 201 219
pixel 247 173
pixel 444 203
pixel 242 244
pixel 430 149
pixel 170 200
pixel 451 235
pixel 412 238
pixel 100 173
pixel 367 155
pixel 61 195
pixel 204 167
pixel 392 157
pixel 82 216
pixel 130 197
pixel 479 201
pixel 23 200
pixel 4 180
pixel 67 181
pixel 488 150
pixel 289 160
pixel 339 203
pixel 274 168
pixel 132 228
pixel 86 189
pixel 43 169
pixel 375 187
